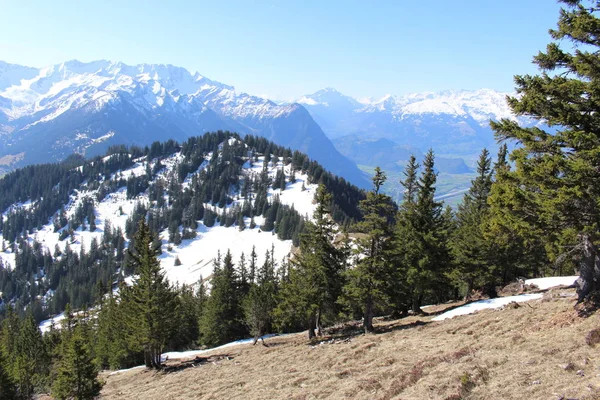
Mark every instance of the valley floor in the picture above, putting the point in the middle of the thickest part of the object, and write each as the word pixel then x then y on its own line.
pixel 534 350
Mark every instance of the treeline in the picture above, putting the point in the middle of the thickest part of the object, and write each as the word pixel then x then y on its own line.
pixel 50 186
pixel 212 167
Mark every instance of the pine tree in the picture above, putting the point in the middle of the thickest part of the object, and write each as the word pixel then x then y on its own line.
pixel 407 246
pixel 222 316
pixel 111 347
pixel 7 386
pixel 31 361
pixel 77 376
pixel 469 247
pixel 422 236
pixel 150 302
pixel 557 176
pixel 368 282
pixel 260 302
pixel 316 273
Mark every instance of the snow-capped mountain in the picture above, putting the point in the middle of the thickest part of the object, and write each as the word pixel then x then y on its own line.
pixel 454 122
pixel 48 113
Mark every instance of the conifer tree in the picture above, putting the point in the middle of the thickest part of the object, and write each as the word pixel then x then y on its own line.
pixel 150 302
pixel 31 361
pixel 111 346
pixel 77 375
pixel 260 302
pixel 407 246
pixel 469 247
pixel 368 282
pixel 222 316
pixel 7 386
pixel 422 235
pixel 316 272
pixel 555 188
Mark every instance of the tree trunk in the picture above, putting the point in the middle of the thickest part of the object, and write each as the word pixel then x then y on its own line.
pixel 318 323
pixel 416 303
pixel 147 358
pixel 368 318
pixel 590 269
pixel 311 326
pixel 469 289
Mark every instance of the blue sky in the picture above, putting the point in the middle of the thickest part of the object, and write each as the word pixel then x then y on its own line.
pixel 284 49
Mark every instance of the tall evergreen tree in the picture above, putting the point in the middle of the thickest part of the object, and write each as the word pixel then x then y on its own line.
pixel 77 375
pixel 260 302
pixel 316 272
pixel 7 386
pixel 222 316
pixel 469 247
pixel 368 282
pixel 31 359
pixel 150 302
pixel 111 347
pixel 556 183
pixel 422 235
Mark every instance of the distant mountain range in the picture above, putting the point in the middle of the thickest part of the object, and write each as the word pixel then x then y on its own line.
pixel 453 123
pixel 48 113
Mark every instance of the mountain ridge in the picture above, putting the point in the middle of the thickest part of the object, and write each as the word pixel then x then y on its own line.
pixel 87 107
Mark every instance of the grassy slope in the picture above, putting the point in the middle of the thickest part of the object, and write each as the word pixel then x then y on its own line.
pixel 535 351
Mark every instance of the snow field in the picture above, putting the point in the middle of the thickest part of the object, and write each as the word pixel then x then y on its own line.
pixel 542 283
pixel 196 255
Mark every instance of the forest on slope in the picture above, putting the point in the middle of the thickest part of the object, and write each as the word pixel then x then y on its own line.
pixel 528 213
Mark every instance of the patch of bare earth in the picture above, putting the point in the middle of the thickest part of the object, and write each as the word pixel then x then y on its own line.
pixel 536 350
pixel 11 159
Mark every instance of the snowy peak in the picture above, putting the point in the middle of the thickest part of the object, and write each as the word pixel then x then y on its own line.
pixel 481 105
pixel 328 97
pixel 48 113
pixel 74 84
pixel 12 74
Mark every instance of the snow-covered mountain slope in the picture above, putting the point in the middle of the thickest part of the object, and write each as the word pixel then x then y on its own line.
pixel 197 254
pixel 65 227
pixel 49 113
pixel 452 122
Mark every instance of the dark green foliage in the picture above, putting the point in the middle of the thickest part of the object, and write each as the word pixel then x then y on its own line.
pixel 7 386
pixel 369 281
pixel 77 375
pixel 259 304
pixel 554 191
pixel 222 319
pixel 422 230
pixel 315 277
pixel 471 251
pixel 150 302
pixel 111 347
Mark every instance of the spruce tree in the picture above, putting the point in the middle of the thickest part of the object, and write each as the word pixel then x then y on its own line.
pixel 422 240
pixel 407 246
pixel 7 386
pixel 222 319
pixel 31 359
pixel 150 302
pixel 260 302
pixel 556 181
pixel 77 375
pixel 469 247
pixel 316 272
pixel 368 282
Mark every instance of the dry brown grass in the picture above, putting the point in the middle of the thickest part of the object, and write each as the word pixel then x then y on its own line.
pixel 536 351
